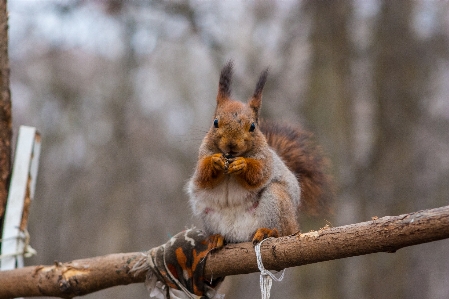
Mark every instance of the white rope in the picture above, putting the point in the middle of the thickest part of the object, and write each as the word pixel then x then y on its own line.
pixel 265 275
pixel 28 251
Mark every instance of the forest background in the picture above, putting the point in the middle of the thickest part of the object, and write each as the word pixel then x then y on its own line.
pixel 123 92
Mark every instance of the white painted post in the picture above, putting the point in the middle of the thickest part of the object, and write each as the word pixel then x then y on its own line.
pixel 23 178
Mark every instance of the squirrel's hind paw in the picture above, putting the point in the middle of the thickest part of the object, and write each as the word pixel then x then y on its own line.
pixel 263 233
pixel 216 241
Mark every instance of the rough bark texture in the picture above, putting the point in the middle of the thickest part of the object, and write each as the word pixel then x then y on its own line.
pixel 386 234
pixel 71 279
pixel 5 111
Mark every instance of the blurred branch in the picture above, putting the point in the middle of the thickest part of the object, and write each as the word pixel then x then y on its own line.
pixel 386 234
pixel 187 11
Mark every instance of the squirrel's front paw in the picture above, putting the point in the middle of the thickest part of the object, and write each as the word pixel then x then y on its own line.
pixel 237 165
pixel 219 162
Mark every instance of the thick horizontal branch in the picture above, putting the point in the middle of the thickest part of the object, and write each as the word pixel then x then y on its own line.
pixel 71 279
pixel 386 234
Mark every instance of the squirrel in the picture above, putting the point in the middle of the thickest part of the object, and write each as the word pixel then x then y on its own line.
pixel 252 176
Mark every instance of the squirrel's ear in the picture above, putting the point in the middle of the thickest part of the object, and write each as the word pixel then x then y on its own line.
pixel 256 100
pixel 224 86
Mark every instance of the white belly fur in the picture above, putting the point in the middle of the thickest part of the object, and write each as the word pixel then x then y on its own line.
pixel 227 210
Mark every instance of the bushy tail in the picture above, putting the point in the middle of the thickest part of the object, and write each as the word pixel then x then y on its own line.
pixel 306 160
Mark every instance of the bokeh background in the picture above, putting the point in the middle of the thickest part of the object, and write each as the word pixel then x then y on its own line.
pixel 123 92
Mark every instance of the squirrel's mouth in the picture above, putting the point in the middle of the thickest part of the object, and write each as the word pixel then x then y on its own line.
pixel 230 155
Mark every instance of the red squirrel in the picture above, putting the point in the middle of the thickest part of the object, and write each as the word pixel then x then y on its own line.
pixel 253 176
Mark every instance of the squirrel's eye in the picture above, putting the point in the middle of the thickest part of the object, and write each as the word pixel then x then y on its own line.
pixel 252 127
pixel 216 123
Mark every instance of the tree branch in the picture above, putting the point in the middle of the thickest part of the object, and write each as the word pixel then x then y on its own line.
pixel 386 234
pixel 5 111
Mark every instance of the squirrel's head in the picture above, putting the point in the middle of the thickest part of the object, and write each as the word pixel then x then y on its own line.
pixel 235 129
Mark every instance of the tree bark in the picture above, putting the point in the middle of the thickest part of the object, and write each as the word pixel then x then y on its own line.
pixel 5 111
pixel 386 234
pixel 71 279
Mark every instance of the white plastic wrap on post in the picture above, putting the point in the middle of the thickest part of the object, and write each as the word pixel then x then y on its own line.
pixel 23 176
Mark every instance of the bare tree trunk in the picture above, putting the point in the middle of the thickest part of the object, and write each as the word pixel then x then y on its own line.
pixel 328 109
pixel 386 234
pixel 5 111
pixel 393 178
pixel 328 100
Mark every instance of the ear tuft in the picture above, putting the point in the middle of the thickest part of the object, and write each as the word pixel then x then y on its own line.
pixel 224 86
pixel 260 84
pixel 256 100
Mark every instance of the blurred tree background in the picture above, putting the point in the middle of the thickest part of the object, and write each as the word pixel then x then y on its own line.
pixel 123 92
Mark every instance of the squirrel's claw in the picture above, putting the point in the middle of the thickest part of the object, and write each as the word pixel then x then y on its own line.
pixel 264 233
pixel 237 165
pixel 216 241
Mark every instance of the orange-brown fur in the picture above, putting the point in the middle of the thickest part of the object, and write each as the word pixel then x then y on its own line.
pixel 251 176
pixel 208 174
